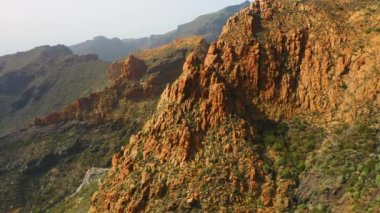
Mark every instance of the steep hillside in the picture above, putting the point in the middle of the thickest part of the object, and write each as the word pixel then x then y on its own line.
pixel 207 26
pixel 10 63
pixel 135 80
pixel 281 115
pixel 44 80
pixel 110 49
pixel 42 165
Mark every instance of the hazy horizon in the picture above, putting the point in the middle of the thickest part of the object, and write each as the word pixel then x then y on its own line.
pixel 29 24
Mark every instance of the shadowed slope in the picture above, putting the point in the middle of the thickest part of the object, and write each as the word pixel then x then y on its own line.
pixel 44 80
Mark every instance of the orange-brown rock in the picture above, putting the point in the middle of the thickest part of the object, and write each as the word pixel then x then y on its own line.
pixel 268 63
pixel 136 80
pixel 131 68
pixel 51 118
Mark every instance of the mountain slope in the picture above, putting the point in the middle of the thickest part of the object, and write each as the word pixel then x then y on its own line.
pixel 207 26
pixel 44 80
pixel 110 49
pixel 255 125
pixel 42 165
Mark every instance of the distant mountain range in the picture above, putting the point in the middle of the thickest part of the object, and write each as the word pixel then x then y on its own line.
pixel 281 114
pixel 43 80
pixel 63 79
pixel 207 26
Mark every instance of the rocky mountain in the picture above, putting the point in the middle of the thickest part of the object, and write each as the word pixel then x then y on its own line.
pixel 207 26
pixel 44 164
pixel 44 80
pixel 281 115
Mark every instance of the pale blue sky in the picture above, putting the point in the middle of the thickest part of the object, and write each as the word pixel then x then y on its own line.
pixel 25 24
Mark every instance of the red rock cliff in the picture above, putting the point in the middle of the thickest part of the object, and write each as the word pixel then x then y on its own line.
pixel 275 59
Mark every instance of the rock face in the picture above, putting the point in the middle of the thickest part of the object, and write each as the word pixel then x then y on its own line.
pixel 45 163
pixel 273 60
pixel 131 69
pixel 138 79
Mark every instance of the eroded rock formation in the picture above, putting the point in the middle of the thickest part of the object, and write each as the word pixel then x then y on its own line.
pixel 137 79
pixel 274 60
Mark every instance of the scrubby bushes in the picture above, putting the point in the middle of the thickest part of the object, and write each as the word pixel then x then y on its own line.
pixel 291 143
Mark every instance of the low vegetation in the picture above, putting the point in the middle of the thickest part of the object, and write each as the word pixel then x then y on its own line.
pixel 345 171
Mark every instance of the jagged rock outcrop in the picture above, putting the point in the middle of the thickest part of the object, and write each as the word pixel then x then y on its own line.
pixel 74 111
pixel 136 79
pixel 131 69
pixel 275 59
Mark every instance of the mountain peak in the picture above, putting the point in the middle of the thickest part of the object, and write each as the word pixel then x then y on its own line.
pixel 55 51
pixel 279 114
pixel 100 38
pixel 207 146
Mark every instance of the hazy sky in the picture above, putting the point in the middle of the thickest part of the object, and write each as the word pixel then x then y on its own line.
pixel 25 24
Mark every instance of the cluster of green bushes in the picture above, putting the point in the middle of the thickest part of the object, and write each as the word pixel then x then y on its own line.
pixel 291 143
pixel 353 158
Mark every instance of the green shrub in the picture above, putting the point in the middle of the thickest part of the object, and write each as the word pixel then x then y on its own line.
pixel 342 179
pixel 287 173
pixel 280 161
pixel 344 85
pixel 377 167
pixel 301 166
pixel 378 180
pixel 278 146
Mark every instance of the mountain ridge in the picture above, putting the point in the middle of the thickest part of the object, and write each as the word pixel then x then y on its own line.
pixel 280 114
pixel 40 75
pixel 86 132
pixel 231 133
pixel 208 26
